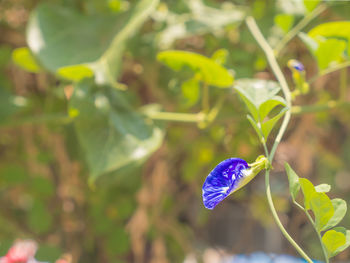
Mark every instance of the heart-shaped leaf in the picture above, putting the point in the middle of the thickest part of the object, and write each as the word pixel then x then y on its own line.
pixel 61 37
pixel 293 178
pixel 207 69
pixel 111 134
pixel 340 208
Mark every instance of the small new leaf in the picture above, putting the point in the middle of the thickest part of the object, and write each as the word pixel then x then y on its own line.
pixel 323 188
pixel 333 241
pixel 209 71
pixel 340 208
pixel 267 126
pixel 308 190
pixel 293 178
pixel 346 233
pixel 23 58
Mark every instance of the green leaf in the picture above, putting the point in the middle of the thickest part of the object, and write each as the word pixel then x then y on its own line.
pixel 76 72
pixel 293 178
pixel 308 190
pixel 333 240
pixel 23 58
pixel 337 30
pixel 323 188
pixel 209 71
pixel 255 126
pixel 111 134
pixel 190 92
pixel 284 21
pixel 308 41
pixel 311 4
pixel 340 208
pixel 59 37
pixel 346 233
pixel 331 29
pixel 255 92
pixel 268 125
pixel 201 19
pixel 269 105
pixel 322 208
pixel 220 56
pixel 329 51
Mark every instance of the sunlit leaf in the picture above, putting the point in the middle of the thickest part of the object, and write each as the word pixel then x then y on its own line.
pixel 340 208
pixel 209 71
pixel 346 233
pixel 190 91
pixel 284 21
pixel 331 29
pixel 339 30
pixel 111 134
pixel 75 72
pixel 293 178
pixel 23 58
pixel 311 4
pixel 329 51
pixel 256 93
pixel 268 125
pixel 255 126
pixel 266 107
pixel 323 188
pixel 333 240
pixel 220 56
pixel 308 190
pixel 322 208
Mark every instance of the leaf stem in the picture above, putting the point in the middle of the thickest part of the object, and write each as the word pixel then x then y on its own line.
pixel 343 84
pixel 174 116
pixel 255 31
pixel 295 30
pixel 205 98
pixel 318 235
pixel 329 70
pixel 278 221
pixel 279 76
pixel 332 104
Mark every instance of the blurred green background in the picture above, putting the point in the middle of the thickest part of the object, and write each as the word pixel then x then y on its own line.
pixel 75 185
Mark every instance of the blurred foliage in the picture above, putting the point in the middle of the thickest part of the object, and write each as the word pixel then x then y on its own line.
pixel 85 170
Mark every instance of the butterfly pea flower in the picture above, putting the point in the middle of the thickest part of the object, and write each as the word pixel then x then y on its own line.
pixel 298 73
pixel 295 64
pixel 229 176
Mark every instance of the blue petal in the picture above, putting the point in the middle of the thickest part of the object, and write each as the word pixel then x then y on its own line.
pixel 297 65
pixel 222 180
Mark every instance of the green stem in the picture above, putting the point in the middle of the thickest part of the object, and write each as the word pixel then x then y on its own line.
pixel 343 84
pixel 279 76
pixel 329 70
pixel 278 222
pixel 318 235
pixel 213 113
pixel 282 81
pixel 319 107
pixel 205 98
pixel 295 30
pixel 174 116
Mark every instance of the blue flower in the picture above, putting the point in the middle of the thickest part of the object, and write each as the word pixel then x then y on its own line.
pixel 229 176
pixel 295 64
